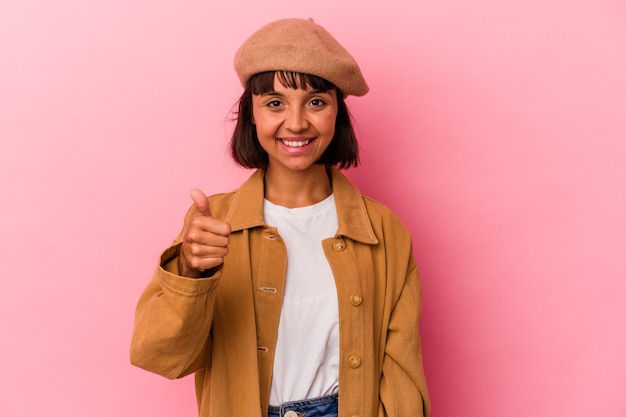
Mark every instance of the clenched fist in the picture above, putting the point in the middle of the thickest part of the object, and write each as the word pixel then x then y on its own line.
pixel 205 243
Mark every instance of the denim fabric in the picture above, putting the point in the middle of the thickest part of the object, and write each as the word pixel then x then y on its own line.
pixel 315 407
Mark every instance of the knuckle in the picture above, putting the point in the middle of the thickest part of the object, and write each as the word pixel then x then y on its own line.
pixel 195 263
pixel 192 235
pixel 193 249
pixel 195 221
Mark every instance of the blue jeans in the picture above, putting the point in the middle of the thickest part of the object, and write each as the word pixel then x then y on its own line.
pixel 315 407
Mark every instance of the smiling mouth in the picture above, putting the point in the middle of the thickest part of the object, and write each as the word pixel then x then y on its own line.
pixel 295 143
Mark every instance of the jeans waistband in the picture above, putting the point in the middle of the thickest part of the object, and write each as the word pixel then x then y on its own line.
pixel 315 407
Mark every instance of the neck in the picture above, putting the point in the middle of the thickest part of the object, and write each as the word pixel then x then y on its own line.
pixel 297 189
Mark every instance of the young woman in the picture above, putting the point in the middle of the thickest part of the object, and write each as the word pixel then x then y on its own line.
pixel 293 295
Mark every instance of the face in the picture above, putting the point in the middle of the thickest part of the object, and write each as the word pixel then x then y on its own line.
pixel 294 126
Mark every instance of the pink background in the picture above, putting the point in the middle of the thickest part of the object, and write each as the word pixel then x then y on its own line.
pixel 496 130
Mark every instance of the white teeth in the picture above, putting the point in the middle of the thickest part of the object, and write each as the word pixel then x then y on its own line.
pixel 295 144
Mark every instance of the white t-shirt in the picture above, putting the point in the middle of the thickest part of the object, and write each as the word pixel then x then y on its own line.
pixel 306 363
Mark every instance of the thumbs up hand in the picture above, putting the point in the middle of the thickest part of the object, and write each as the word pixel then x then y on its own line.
pixel 205 243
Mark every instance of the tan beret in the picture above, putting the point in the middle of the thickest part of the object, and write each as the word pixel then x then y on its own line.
pixel 299 45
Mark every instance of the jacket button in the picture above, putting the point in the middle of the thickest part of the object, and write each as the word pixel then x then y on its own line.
pixel 339 245
pixel 291 413
pixel 354 362
pixel 356 299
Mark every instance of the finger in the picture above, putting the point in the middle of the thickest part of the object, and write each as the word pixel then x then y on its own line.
pixel 202 264
pixel 208 231
pixel 201 201
pixel 200 258
pixel 202 251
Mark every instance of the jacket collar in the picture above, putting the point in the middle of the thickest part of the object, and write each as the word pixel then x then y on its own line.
pixel 246 210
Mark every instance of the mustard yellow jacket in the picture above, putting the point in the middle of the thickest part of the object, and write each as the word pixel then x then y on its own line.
pixel 224 328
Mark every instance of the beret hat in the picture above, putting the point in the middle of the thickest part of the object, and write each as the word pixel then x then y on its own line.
pixel 299 45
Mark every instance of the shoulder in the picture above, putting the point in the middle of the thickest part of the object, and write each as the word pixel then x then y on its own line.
pixel 380 213
pixel 389 229
pixel 242 207
pixel 220 203
pixel 394 238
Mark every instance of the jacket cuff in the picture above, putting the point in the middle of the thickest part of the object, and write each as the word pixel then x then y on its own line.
pixel 171 280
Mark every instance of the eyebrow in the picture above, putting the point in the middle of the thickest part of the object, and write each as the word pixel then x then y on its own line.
pixel 276 93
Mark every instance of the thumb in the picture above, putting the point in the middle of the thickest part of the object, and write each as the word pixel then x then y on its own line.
pixel 201 201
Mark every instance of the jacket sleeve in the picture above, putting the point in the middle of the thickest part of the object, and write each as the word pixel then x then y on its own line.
pixel 171 334
pixel 403 390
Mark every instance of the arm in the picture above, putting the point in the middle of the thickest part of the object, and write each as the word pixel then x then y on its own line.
pixel 171 335
pixel 173 319
pixel 403 391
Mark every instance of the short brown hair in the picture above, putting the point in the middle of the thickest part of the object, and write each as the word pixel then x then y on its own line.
pixel 343 150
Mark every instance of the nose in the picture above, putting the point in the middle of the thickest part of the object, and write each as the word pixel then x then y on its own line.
pixel 296 120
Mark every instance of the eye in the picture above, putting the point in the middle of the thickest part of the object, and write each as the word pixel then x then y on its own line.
pixel 274 104
pixel 316 102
